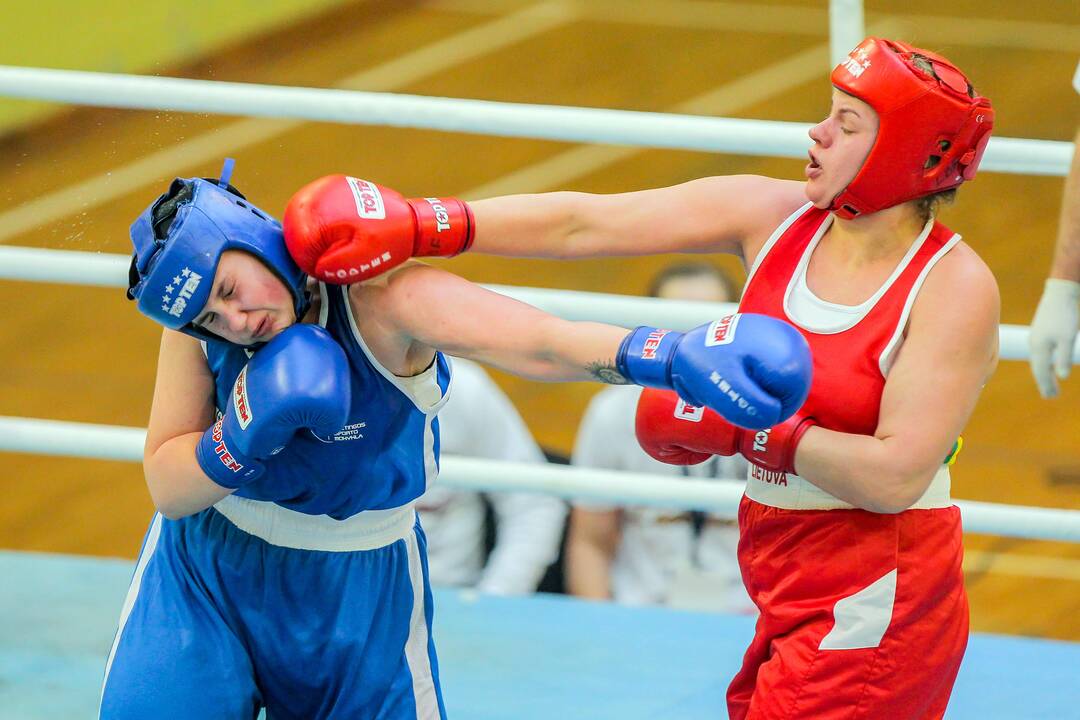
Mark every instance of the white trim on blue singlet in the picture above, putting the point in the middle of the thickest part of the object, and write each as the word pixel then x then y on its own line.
pixel 822 317
pixel 132 594
pixel 422 389
pixel 425 694
pixel 324 304
pixel 283 527
pixel 206 351
pixel 431 458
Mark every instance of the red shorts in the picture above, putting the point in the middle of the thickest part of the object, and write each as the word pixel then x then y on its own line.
pixel 863 615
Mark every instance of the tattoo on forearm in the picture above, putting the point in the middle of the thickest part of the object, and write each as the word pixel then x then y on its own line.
pixel 605 372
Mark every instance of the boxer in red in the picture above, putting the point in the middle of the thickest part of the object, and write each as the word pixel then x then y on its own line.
pixel 850 545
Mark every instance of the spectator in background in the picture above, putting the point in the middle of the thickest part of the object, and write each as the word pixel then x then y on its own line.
pixel 1053 330
pixel 480 421
pixel 648 555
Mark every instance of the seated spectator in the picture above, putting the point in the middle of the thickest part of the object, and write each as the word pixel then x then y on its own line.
pixel 638 555
pixel 480 421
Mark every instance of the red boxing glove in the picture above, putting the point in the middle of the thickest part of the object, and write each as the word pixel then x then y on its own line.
pixel 342 230
pixel 675 433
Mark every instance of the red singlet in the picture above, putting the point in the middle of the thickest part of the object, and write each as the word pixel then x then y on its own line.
pixel 863 615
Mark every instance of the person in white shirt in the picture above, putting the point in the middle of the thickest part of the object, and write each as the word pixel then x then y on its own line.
pixel 480 421
pixel 648 556
pixel 1053 330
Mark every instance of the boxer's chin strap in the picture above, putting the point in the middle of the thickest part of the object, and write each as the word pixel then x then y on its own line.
pixel 134 278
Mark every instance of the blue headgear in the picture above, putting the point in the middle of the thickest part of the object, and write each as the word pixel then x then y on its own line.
pixel 179 239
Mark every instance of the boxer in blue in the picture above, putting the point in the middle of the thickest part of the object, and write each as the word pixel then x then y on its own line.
pixel 293 427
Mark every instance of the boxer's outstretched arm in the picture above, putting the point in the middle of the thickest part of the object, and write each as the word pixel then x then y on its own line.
pixel 752 369
pixel 715 214
pixel 445 312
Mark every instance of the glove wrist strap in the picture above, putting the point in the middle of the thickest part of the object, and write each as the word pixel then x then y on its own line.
pixel 774 449
pixel 222 462
pixel 444 226
pixel 644 356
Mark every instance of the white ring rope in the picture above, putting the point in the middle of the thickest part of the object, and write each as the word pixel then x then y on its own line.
pixel 49 437
pixel 847 28
pixel 547 122
pixel 658 130
pixel 110 270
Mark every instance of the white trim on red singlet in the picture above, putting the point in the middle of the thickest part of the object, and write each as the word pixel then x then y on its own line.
pixel 888 355
pixel 776 234
pixel 791 492
pixel 811 313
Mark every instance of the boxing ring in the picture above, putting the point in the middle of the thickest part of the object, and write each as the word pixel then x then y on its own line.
pixel 542 656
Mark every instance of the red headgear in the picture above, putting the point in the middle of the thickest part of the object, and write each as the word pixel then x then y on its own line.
pixel 932 127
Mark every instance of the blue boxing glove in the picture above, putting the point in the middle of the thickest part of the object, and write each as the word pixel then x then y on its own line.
pixel 753 369
pixel 299 380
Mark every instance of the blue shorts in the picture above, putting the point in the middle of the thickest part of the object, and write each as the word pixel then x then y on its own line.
pixel 306 616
